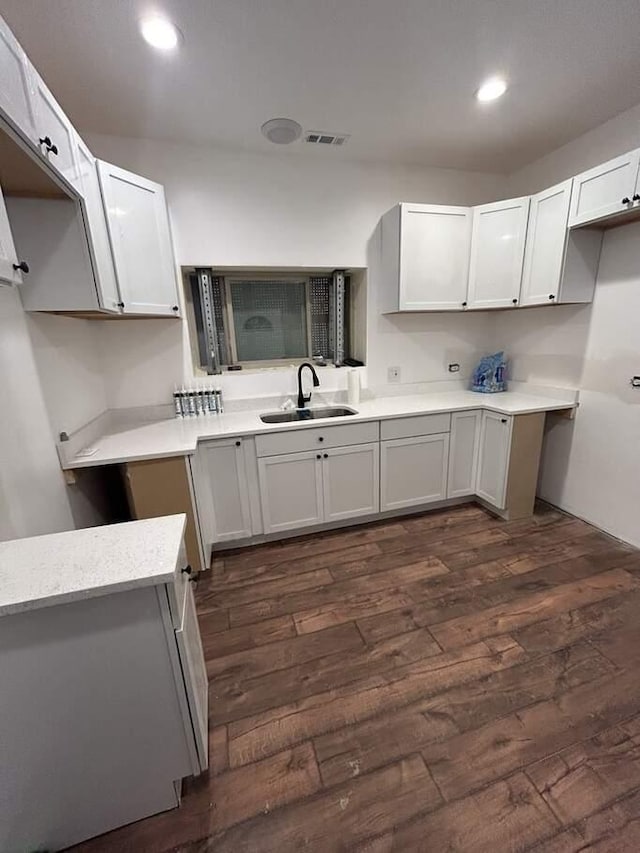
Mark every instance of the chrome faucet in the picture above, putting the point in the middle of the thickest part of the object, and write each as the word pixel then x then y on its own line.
pixel 301 398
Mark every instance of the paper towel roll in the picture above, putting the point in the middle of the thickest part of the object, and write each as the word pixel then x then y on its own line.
pixel 353 387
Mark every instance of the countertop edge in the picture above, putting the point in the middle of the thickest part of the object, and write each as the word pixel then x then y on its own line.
pixel 189 449
pixel 57 599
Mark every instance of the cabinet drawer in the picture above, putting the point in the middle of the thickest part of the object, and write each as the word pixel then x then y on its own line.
pixel 419 425
pixel 294 441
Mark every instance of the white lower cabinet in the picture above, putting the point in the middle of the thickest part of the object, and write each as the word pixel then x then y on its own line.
pixel 351 481
pixel 194 668
pixel 463 453
pixel 493 460
pixel 413 470
pixel 291 490
pixel 313 487
pixel 223 490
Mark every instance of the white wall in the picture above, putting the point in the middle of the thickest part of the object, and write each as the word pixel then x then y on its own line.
pixel 243 209
pixel 590 466
pixel 70 368
pixel 33 497
pixel 614 137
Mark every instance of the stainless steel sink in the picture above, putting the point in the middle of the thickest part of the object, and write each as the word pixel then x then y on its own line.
pixel 307 415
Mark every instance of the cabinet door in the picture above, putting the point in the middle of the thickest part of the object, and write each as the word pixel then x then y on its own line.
pixel 8 258
pixel 545 245
pixel 495 444
pixel 96 228
pixel 225 479
pixel 140 236
pixel 463 453
pixel 291 490
pixel 604 190
pixel 194 672
pixel 413 471
pixel 434 257
pixel 56 135
pixel 497 252
pixel 351 481
pixel 16 96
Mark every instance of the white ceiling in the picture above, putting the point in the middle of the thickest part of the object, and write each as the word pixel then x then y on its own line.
pixel 398 75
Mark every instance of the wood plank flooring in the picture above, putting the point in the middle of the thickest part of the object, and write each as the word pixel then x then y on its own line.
pixel 445 682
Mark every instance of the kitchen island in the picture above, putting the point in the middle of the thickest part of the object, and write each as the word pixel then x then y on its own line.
pixel 104 689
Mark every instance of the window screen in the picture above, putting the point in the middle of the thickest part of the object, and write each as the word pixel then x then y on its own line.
pixel 270 319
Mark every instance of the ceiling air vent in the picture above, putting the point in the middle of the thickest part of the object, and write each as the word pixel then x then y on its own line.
pixel 321 137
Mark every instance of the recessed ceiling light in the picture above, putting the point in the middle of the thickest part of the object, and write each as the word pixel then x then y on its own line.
pixel 282 131
pixel 160 33
pixel 491 89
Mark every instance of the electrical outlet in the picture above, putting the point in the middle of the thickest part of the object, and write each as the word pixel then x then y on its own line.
pixel 393 374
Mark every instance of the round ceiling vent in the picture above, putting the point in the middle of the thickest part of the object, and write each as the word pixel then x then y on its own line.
pixel 282 131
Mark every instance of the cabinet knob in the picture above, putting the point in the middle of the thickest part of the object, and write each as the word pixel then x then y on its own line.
pixel 326 455
pixel 515 301
pixel 503 420
pixel 23 266
pixel 318 455
pixel 464 304
pixel 626 200
pixel 636 197
pixel 120 304
pixel 175 308
pixel 48 144
pixel 238 443
pixel 187 570
pixel 552 296
pixel 320 438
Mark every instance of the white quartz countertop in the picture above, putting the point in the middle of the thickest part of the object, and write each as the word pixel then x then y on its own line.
pixel 58 568
pixel 178 436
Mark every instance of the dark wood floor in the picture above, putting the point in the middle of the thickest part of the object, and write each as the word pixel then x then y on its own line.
pixel 442 683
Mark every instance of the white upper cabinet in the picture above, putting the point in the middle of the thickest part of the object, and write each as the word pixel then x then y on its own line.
pixel 606 190
pixel 16 97
pixel 140 237
pixel 96 228
pixel 425 257
pixel 56 136
pixel 497 252
pixel 10 271
pixel 545 245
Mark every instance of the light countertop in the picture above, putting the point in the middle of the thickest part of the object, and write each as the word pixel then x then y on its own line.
pixel 179 437
pixel 62 567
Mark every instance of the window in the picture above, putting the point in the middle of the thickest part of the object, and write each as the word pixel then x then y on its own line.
pixel 253 320
pixel 269 319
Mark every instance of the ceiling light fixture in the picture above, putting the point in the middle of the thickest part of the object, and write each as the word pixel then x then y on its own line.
pixel 281 131
pixel 491 89
pixel 160 33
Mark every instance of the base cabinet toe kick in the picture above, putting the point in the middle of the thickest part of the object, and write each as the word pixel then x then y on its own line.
pixel 253 488
pixel 103 712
